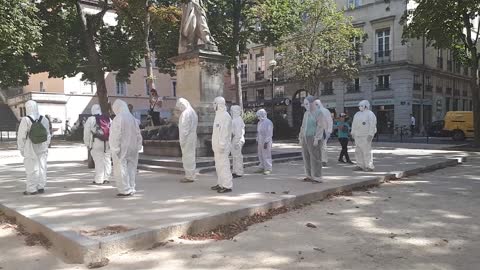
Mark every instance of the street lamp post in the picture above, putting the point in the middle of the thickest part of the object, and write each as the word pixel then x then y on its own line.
pixel 272 65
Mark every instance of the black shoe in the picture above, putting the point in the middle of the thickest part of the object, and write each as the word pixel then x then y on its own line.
pixel 217 187
pixel 224 190
pixel 30 193
pixel 349 162
pixel 124 195
pixel 341 161
pixel 41 190
pixel 236 175
pixel 106 182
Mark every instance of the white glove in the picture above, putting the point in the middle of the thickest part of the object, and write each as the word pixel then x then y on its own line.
pixel 315 142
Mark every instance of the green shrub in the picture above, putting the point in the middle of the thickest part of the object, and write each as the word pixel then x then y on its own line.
pixel 249 117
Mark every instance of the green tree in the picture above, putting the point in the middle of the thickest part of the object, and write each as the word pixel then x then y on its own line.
pixel 75 41
pixel 323 47
pixel 19 36
pixel 453 25
pixel 146 21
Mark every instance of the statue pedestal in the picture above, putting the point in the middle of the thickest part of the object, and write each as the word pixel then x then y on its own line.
pixel 200 79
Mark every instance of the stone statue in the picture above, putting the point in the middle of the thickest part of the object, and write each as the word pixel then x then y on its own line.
pixel 194 28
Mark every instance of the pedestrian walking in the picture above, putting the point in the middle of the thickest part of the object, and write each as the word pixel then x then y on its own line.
pixel 343 129
pixel 412 124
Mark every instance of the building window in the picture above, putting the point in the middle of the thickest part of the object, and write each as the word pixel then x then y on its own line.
pixel 351 4
pixel 174 88
pixel 383 46
pixel 447 104
pixel 465 70
pixel 260 58
pixel 244 95
pixel 354 54
pixel 121 88
pixel 440 58
pixel 470 106
pixel 42 89
pixel 417 84
pixel 260 94
pixel 455 105
pixel 383 82
pixel 449 87
pixel 327 88
pixel 243 71
pixel 354 86
pixel 449 60
pixel 280 91
pixel 428 83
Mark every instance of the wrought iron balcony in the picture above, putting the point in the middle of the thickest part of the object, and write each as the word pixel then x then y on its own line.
pixel 382 87
pixel 382 57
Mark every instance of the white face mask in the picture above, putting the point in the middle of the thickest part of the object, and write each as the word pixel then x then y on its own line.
pixel 362 108
pixel 306 104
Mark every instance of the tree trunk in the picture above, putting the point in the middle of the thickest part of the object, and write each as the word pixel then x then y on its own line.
pixel 94 61
pixel 236 40
pixel 475 86
pixel 148 53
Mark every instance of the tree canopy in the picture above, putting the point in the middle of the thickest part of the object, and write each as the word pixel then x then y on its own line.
pixel 454 25
pixel 19 35
pixel 323 47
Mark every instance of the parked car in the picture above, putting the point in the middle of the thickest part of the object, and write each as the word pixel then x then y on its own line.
pixel 435 129
pixel 459 125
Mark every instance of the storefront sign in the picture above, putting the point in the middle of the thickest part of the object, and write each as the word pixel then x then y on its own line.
pixel 330 105
pixel 351 103
pixel 388 101
pixel 425 102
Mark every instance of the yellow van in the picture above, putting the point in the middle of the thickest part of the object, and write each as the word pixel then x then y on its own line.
pixel 459 125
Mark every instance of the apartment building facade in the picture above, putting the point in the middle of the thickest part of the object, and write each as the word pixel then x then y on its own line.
pixel 398 78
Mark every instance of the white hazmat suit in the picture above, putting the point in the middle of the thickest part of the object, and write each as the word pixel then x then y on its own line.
pixel 125 143
pixel 311 137
pixel 328 129
pixel 221 145
pixel 264 140
pixel 187 127
pixel 238 140
pixel 34 155
pixel 364 127
pixel 100 150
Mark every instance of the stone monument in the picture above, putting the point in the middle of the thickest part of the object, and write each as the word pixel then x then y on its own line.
pixel 200 76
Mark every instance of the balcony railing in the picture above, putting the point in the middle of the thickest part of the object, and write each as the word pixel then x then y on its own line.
pixel 417 86
pixel 259 75
pixel 352 88
pixel 440 62
pixel 327 92
pixel 382 87
pixel 429 88
pixel 382 57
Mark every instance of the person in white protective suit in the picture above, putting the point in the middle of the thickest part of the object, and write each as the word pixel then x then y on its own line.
pixel 34 155
pixel 264 141
pixel 238 140
pixel 221 146
pixel 187 126
pixel 364 127
pixel 125 143
pixel 100 150
pixel 312 134
pixel 328 130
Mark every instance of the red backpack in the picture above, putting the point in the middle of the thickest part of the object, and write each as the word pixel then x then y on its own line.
pixel 102 127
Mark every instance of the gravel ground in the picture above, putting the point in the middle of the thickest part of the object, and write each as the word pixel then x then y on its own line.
pixel 427 222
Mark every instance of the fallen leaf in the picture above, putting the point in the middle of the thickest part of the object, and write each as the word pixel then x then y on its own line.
pixel 99 264
pixel 319 249
pixel 310 225
pixel 330 213
pixel 195 256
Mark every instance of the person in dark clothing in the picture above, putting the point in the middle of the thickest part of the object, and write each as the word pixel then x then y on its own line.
pixel 343 133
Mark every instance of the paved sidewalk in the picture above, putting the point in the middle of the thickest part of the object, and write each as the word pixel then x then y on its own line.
pixel 72 204
pixel 427 222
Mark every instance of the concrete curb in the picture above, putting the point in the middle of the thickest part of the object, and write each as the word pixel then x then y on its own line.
pixel 76 248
